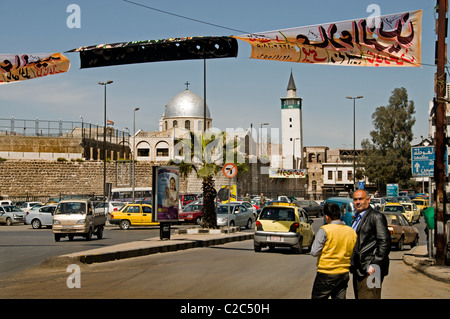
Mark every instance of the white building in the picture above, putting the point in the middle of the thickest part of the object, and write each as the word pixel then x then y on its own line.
pixel 291 127
pixel 183 114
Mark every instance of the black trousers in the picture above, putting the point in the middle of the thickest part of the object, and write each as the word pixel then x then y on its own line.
pixel 334 286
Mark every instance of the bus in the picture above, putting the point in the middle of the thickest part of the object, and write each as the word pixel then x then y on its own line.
pixel 125 194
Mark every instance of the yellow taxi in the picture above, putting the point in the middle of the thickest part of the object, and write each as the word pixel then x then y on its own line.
pixel 133 215
pixel 412 212
pixel 421 203
pixel 283 225
pixel 398 208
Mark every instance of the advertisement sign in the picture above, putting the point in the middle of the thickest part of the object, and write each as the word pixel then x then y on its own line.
pixel 392 189
pixel 165 193
pixel 224 193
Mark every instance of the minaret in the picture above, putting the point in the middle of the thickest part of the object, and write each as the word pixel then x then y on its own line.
pixel 291 127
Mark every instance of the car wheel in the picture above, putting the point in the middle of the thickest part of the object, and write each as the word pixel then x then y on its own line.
pixel 100 232
pixel 232 223
pixel 8 221
pixel 70 237
pixel 249 224
pixel 257 248
pixel 36 224
pixel 198 221
pixel 400 244
pixel 124 224
pixel 299 247
pixel 415 242
pixel 57 237
pixel 89 234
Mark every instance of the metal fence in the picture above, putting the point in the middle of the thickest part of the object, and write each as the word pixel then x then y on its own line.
pixel 60 128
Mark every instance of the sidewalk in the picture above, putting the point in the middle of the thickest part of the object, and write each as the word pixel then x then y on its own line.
pixel 418 259
pixel 181 240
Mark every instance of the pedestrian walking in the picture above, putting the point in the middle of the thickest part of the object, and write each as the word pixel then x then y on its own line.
pixel 370 260
pixel 262 200
pixel 333 245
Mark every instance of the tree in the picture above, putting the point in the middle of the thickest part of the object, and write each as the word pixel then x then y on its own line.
pixel 387 158
pixel 206 154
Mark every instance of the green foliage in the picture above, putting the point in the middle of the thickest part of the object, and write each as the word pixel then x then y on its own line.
pixel 206 154
pixel 387 157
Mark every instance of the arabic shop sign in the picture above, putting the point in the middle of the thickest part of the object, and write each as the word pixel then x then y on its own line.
pixel 287 173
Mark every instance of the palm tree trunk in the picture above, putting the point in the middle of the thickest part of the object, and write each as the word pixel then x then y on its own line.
pixel 209 215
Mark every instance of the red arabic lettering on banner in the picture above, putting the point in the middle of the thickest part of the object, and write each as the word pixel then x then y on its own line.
pixel 14 68
pixel 394 42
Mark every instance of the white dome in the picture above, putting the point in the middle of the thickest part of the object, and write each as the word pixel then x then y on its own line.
pixel 186 104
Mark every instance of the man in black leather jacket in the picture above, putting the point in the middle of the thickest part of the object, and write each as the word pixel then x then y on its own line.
pixel 370 260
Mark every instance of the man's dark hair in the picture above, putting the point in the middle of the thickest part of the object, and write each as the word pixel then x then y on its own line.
pixel 332 210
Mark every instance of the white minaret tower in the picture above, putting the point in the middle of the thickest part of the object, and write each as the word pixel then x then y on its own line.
pixel 291 127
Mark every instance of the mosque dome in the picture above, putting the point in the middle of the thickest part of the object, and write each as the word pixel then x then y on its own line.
pixel 186 104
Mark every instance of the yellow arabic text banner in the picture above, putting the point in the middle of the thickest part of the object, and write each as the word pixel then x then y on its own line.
pixel 390 41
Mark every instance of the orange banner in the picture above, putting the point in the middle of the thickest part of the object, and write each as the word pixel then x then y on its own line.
pixel 389 41
pixel 14 68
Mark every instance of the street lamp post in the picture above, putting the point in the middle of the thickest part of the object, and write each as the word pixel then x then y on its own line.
pixel 354 151
pixel 104 138
pixel 134 149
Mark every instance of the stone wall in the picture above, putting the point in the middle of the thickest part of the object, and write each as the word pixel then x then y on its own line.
pixel 22 178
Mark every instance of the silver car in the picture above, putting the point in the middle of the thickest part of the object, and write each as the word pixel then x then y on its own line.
pixel 43 216
pixel 240 216
pixel 11 215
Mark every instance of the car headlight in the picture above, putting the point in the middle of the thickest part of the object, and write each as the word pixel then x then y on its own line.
pixel 56 222
pixel 81 221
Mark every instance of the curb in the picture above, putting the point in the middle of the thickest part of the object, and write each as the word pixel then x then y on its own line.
pixel 427 266
pixel 143 248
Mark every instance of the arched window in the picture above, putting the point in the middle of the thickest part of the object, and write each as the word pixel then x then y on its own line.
pixel 175 123
pixel 187 125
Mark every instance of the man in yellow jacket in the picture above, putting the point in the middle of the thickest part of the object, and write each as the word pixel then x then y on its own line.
pixel 333 245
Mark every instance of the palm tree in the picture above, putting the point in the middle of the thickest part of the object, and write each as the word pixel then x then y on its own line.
pixel 206 154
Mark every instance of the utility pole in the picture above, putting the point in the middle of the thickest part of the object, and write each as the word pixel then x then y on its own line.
pixel 439 141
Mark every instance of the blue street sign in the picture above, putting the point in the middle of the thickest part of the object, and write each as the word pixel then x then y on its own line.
pixel 422 161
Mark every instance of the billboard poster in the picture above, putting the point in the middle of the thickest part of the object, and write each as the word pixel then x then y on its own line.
pixel 165 194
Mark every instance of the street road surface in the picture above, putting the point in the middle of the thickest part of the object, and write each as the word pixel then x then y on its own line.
pixel 230 271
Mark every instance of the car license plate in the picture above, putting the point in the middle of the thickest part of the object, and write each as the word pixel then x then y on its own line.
pixel 275 238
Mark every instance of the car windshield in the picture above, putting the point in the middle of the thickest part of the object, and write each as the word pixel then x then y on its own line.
pixel 11 209
pixel 71 208
pixel 399 209
pixel 190 208
pixel 278 214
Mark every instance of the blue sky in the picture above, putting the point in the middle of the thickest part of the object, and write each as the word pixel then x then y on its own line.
pixel 240 91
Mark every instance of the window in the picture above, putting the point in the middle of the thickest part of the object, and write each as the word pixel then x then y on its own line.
pixel 143 152
pixel 350 175
pixel 175 123
pixel 162 152
pixel 187 124
pixel 330 175
pixel 339 176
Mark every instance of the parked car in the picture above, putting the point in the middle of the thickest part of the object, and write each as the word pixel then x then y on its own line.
pixel 10 214
pixel 187 198
pixel 26 206
pixel 310 206
pixel 42 216
pixel 112 206
pixel 412 212
pixel 283 224
pixel 133 215
pixel 402 233
pixel 191 213
pixel 240 216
